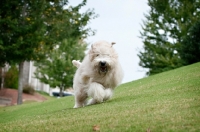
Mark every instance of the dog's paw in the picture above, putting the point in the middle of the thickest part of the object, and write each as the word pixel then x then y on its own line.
pixel 75 107
pixel 108 94
pixel 91 102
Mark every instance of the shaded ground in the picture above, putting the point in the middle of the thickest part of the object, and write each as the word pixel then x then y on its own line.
pixel 9 97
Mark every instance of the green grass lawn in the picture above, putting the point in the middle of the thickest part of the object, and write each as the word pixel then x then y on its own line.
pixel 169 102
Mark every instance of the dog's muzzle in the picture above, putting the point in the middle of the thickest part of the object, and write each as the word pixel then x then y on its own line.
pixel 103 66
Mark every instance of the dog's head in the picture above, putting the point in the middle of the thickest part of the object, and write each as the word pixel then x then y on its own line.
pixel 102 56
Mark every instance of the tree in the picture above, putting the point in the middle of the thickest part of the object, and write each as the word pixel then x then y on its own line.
pixel 31 28
pixel 57 70
pixel 73 47
pixel 167 22
pixel 190 49
pixel 21 28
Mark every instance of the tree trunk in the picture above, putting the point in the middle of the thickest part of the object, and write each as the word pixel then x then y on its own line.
pixel 20 83
pixel 2 77
pixel 61 91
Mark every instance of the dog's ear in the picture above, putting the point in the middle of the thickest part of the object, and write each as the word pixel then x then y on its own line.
pixel 91 53
pixel 112 43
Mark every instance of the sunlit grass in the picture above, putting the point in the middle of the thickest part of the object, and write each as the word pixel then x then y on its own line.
pixel 168 101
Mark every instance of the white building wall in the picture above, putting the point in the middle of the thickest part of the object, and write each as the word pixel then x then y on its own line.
pixel 35 82
pixel 39 86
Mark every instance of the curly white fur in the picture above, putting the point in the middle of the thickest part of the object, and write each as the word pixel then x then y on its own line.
pixel 97 76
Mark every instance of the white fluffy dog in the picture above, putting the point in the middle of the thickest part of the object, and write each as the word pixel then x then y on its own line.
pixel 97 76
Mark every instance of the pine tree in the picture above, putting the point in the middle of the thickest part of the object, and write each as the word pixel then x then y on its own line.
pixel 167 22
pixel 190 49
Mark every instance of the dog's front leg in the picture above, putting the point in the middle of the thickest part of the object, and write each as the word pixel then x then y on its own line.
pixel 80 94
pixel 80 99
pixel 108 94
pixel 97 92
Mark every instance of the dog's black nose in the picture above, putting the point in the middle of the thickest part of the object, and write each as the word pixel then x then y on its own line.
pixel 102 63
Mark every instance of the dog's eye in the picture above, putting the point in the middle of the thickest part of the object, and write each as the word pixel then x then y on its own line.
pixel 97 55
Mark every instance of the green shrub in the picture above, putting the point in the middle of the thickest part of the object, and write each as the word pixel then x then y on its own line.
pixel 11 78
pixel 28 89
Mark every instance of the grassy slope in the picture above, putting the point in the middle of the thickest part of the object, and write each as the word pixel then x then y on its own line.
pixel 169 101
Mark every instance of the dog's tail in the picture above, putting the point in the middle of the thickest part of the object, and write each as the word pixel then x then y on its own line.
pixel 76 63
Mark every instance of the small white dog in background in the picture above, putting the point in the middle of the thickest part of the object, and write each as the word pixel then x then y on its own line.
pixel 97 76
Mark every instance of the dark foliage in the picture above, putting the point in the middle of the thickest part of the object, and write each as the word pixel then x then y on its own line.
pixel 28 89
pixel 166 25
